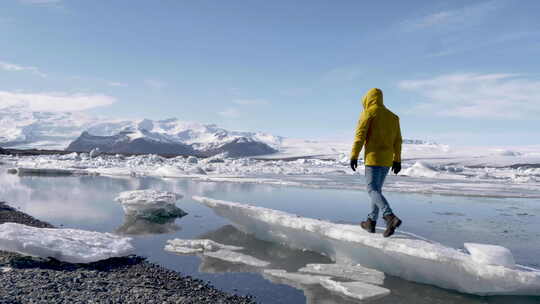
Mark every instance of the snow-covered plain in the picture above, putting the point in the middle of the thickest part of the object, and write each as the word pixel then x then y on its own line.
pixel 68 245
pixel 413 259
pixel 427 168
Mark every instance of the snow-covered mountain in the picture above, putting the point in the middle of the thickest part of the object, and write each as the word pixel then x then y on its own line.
pixel 21 128
pixel 75 131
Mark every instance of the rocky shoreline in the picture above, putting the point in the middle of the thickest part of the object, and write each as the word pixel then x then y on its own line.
pixel 117 280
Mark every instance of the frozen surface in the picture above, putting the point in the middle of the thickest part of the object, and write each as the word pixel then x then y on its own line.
pixel 197 246
pixel 427 168
pixel 236 258
pixel 353 272
pixel 412 259
pixel 490 254
pixel 150 203
pixel 69 245
pixel 214 250
pixel 355 290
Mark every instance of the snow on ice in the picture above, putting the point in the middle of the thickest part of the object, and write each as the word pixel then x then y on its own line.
pixel 68 245
pixel 411 259
pixel 150 203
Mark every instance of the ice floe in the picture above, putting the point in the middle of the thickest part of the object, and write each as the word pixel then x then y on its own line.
pixel 214 250
pixel 409 258
pixel 426 169
pixel 197 246
pixel 150 203
pixel 355 290
pixel 69 245
pixel 353 272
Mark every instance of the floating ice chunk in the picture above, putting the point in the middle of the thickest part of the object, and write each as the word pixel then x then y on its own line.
pixel 95 152
pixel 299 278
pixel 236 258
pixel 214 250
pixel 421 169
pixel 69 245
pixel 412 259
pixel 192 160
pixel 490 254
pixel 5 269
pixel 356 290
pixel 150 203
pixel 197 246
pixel 353 272
pixel 197 170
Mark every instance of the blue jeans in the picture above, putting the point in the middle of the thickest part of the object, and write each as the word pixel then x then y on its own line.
pixel 375 176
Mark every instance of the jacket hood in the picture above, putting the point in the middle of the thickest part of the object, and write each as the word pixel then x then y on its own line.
pixel 373 97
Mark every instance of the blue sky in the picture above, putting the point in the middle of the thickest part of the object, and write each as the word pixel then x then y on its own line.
pixel 457 72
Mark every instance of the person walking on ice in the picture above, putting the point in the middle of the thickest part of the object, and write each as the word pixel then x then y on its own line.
pixel 378 130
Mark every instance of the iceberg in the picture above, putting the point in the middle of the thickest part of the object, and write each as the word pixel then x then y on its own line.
pixel 355 290
pixel 68 245
pixel 150 203
pixel 416 260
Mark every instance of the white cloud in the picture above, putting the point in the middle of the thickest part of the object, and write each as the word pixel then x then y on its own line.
pixel 250 102
pixel 500 96
pixel 117 84
pixel 456 18
pixel 155 84
pixel 11 67
pixel 230 113
pixel 54 102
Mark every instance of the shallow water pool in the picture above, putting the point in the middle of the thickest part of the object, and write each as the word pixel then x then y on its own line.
pixel 88 203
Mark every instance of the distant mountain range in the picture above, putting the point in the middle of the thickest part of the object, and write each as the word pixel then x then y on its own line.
pixel 20 128
pixel 24 129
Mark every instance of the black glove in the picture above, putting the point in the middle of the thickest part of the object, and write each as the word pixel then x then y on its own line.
pixel 396 167
pixel 354 164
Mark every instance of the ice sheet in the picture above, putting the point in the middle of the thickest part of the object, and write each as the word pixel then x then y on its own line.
pixel 411 259
pixel 214 250
pixel 69 245
pixel 353 272
pixel 355 290
pixel 150 203
pixel 197 246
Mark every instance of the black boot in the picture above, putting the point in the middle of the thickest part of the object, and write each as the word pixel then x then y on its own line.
pixel 392 222
pixel 369 225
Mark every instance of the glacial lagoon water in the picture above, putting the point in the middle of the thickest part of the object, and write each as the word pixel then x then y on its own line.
pixel 87 202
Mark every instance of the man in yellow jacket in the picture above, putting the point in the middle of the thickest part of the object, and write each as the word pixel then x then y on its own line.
pixel 378 130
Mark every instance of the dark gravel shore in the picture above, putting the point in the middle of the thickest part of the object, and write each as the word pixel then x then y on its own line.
pixel 117 280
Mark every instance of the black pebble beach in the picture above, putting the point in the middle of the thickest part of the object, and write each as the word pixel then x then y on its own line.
pixel 117 280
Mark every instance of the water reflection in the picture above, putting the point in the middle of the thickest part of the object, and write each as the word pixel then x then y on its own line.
pixel 134 225
pixel 282 257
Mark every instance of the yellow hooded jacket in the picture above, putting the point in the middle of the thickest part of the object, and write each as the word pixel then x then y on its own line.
pixel 378 129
